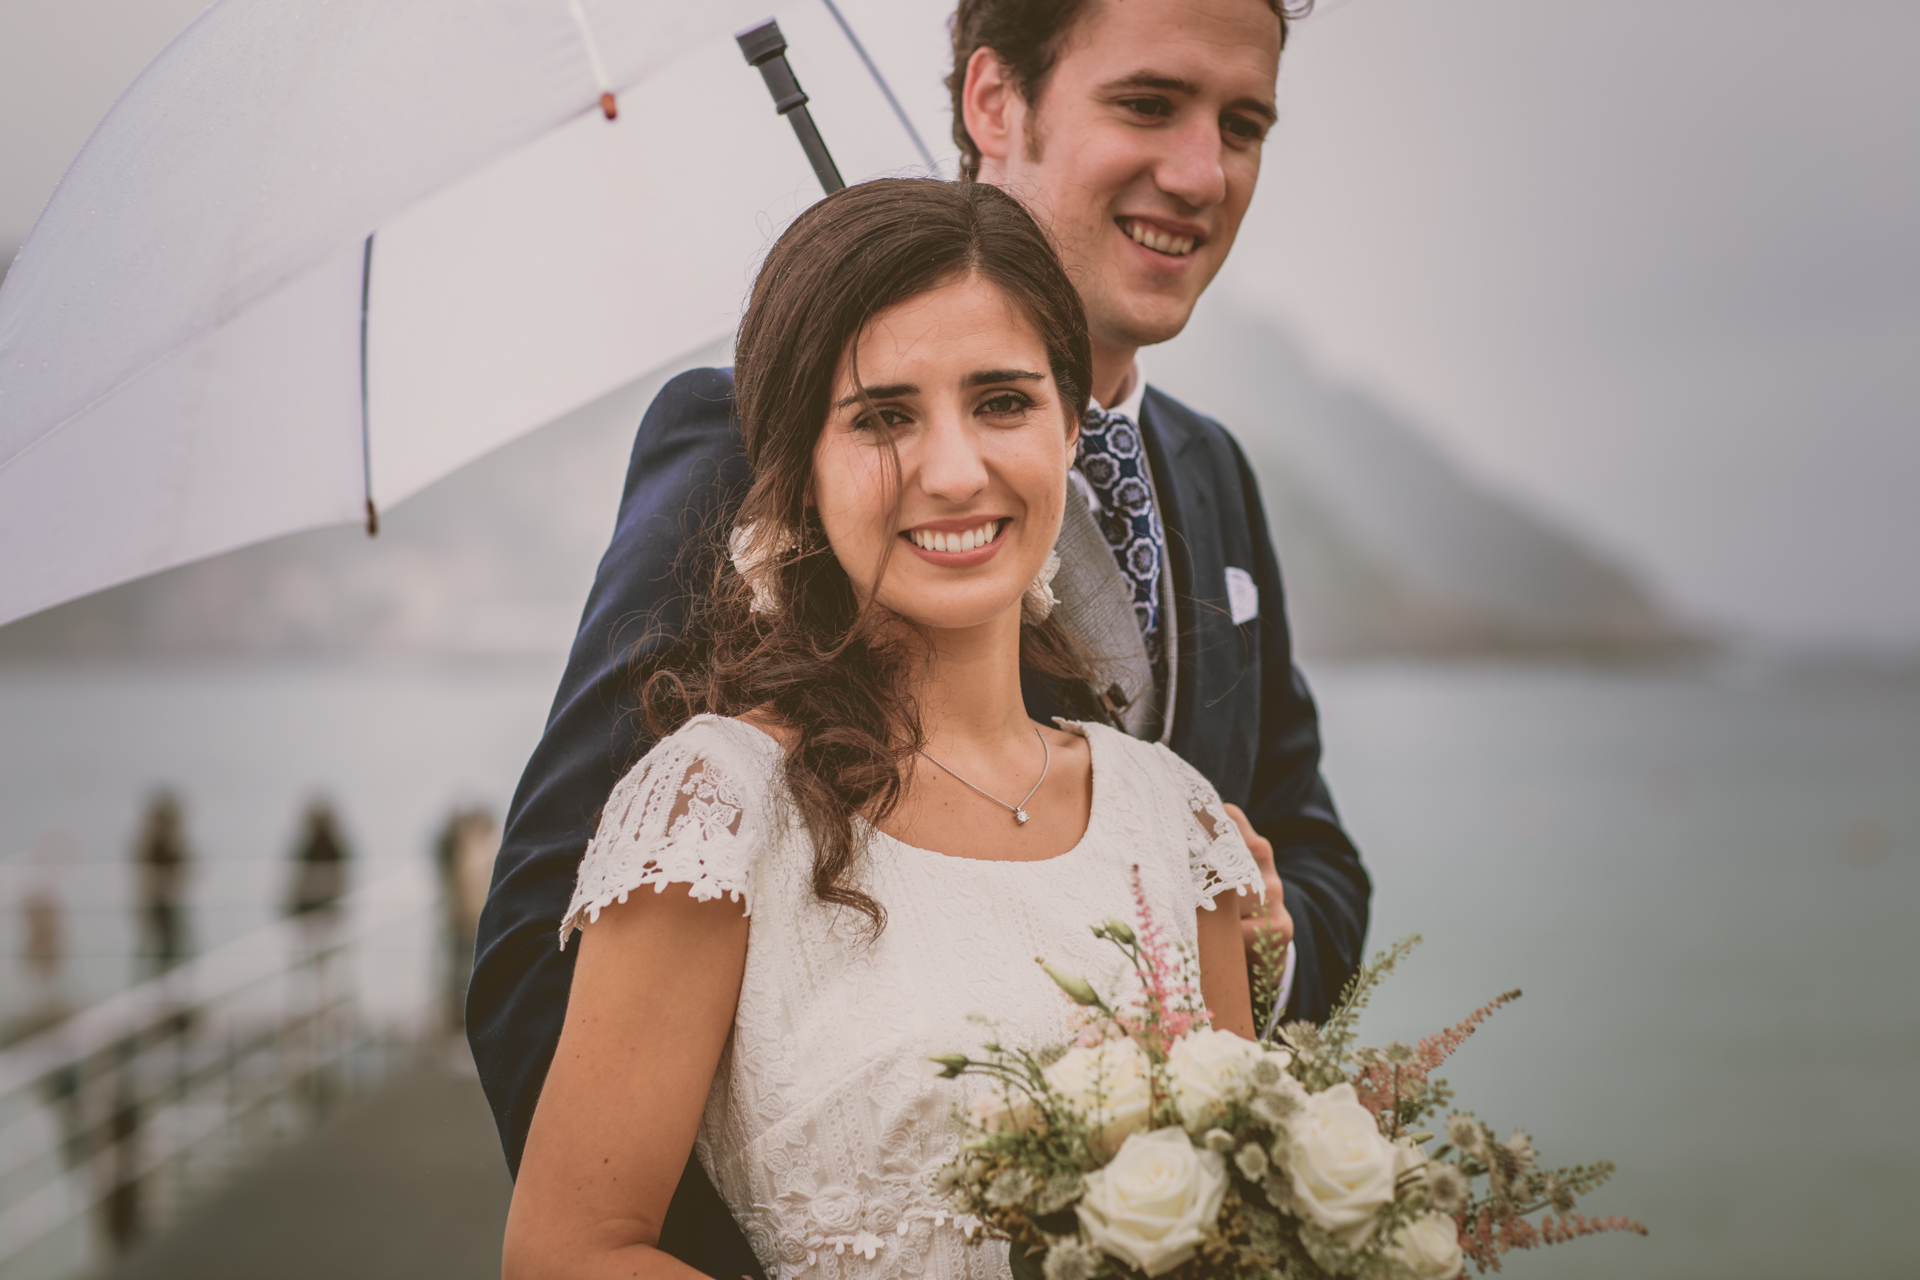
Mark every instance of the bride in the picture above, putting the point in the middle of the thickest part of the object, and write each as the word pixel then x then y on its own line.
pixel 851 843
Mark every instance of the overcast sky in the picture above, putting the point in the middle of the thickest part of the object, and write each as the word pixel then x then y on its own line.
pixel 1655 266
pixel 1652 268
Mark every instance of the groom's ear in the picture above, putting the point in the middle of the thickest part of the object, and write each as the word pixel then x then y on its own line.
pixel 991 106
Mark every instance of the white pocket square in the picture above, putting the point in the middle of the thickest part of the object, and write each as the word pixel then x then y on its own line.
pixel 1243 597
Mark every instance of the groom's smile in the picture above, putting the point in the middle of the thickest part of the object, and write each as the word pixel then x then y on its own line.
pixel 1168 240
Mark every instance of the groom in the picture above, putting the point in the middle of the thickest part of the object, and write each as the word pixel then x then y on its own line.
pixel 1132 129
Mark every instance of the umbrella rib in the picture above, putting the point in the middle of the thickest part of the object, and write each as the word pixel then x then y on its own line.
pixel 604 84
pixel 220 321
pixel 366 434
pixel 886 90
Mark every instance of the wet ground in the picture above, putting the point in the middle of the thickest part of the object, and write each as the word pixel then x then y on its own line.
pixel 406 1183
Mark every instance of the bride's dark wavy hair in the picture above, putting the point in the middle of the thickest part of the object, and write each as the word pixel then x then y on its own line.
pixel 835 674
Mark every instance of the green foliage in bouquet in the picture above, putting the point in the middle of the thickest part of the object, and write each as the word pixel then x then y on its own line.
pixel 1154 1145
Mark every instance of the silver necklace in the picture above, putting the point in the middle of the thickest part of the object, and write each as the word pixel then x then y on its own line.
pixel 1019 810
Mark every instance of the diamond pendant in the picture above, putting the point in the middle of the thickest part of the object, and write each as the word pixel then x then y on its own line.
pixel 1020 815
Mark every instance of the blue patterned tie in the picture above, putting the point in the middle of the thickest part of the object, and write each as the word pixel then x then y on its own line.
pixel 1115 464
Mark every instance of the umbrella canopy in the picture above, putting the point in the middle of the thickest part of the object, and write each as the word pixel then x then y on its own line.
pixel 185 366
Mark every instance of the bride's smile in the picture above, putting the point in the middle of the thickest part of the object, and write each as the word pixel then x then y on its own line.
pixel 942 545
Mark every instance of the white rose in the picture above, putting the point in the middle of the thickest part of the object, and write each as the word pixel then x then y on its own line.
pixel 1209 1069
pixel 1153 1205
pixel 1341 1168
pixel 1109 1084
pixel 1428 1249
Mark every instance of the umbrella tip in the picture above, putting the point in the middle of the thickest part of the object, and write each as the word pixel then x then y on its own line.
pixel 373 520
pixel 609 105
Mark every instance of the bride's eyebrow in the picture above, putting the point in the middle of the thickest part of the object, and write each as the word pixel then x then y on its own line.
pixel 892 391
pixel 984 378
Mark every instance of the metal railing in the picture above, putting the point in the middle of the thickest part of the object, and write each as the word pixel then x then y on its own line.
pixel 116 1120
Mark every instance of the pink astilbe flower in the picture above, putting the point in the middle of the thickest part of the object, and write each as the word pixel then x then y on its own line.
pixel 1172 1006
pixel 1381 1084
pixel 1477 1241
pixel 1435 1050
pixel 1483 1237
pixel 1573 1226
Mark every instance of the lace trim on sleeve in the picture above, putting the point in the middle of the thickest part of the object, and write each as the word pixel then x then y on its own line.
pixel 1216 852
pixel 678 817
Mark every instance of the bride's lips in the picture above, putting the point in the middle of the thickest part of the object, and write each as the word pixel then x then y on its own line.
pixel 980 554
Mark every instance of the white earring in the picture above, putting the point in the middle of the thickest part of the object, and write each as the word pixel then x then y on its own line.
pixel 1038 600
pixel 757 560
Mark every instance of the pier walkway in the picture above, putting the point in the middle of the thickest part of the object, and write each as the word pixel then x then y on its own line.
pixel 403 1183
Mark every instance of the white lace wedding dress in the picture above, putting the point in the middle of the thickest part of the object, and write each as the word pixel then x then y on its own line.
pixel 826 1121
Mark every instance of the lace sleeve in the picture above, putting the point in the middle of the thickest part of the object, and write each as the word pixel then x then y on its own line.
pixel 680 816
pixel 1217 855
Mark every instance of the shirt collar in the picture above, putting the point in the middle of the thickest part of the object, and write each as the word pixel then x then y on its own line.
pixel 1131 405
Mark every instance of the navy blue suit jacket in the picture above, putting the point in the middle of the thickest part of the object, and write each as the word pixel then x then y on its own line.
pixel 1242 716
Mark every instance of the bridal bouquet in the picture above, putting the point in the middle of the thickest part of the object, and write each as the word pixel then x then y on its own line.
pixel 1156 1145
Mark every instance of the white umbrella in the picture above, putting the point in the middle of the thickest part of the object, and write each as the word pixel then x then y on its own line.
pixel 323 252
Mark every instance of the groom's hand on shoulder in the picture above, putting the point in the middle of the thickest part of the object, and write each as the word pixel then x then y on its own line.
pixel 1256 917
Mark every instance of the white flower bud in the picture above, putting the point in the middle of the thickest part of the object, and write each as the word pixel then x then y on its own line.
pixel 1078 989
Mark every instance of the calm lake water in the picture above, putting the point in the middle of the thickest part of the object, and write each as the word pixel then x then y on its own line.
pixel 1704 880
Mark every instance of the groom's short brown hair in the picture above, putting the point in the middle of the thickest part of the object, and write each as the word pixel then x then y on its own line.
pixel 1027 35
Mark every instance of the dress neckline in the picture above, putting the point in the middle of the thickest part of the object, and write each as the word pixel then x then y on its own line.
pixel 1086 837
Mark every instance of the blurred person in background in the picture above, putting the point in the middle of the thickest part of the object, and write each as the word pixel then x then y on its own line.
pixel 319 863
pixel 464 855
pixel 43 949
pixel 162 861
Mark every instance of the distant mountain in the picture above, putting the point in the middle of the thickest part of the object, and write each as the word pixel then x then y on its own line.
pixel 1387 548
